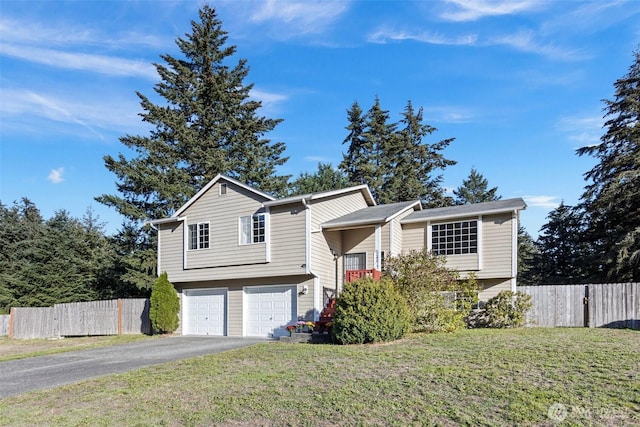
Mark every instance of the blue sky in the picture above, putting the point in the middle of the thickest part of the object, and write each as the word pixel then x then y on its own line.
pixel 519 85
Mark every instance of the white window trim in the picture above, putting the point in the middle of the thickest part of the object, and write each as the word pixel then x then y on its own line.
pixel 478 237
pixel 188 236
pixel 251 236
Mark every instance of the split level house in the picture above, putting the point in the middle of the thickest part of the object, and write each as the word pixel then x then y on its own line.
pixel 247 264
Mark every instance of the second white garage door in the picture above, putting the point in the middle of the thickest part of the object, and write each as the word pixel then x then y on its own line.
pixel 268 309
pixel 205 312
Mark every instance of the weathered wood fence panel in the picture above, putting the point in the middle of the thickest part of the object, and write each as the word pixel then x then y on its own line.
pixel 4 325
pixel 88 318
pixel 109 317
pixel 33 322
pixel 135 316
pixel 615 305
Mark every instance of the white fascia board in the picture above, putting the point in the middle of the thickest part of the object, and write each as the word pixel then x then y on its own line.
pixel 460 216
pixel 317 196
pixel 212 183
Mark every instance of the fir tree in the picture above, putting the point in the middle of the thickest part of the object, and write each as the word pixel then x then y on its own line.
pixel 207 125
pixel 324 179
pixel 475 189
pixel 612 199
pixel 356 163
pixel 561 249
pixel 414 163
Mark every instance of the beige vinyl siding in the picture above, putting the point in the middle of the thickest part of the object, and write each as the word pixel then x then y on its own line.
pixel 323 210
pixel 323 241
pixel 491 288
pixel 288 240
pixel 222 212
pixel 322 262
pixel 497 235
pixel 414 237
pixel 395 235
pixel 286 237
pixel 235 297
pixel 360 240
pixel 170 243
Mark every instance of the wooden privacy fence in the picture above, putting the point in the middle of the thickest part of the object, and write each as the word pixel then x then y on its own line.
pixel 110 317
pixel 4 325
pixel 612 305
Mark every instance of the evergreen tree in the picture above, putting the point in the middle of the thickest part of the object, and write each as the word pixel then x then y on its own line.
pixel 414 162
pixel 396 164
pixel 562 250
pixel 324 179
pixel 612 199
pixel 356 163
pixel 164 306
pixel 528 254
pixel 207 125
pixel 475 189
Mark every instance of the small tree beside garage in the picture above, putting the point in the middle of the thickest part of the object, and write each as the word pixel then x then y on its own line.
pixel 164 306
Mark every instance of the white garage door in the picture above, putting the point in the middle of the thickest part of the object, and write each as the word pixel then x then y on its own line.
pixel 205 312
pixel 269 309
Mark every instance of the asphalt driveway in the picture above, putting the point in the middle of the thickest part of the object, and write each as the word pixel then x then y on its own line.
pixel 23 375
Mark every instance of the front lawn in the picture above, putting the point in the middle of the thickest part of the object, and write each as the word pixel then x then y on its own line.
pixel 11 349
pixel 473 377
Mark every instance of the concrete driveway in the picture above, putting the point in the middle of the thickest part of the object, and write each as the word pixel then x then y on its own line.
pixel 23 375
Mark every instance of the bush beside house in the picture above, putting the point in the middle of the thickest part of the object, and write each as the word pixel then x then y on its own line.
pixel 439 300
pixel 370 311
pixel 164 306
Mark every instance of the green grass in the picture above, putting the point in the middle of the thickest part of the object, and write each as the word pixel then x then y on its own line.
pixel 473 377
pixel 11 349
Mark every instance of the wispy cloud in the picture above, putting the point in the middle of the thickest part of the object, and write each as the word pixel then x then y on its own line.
pixel 317 159
pixel 37 34
pixel 55 176
pixel 472 10
pixel 101 114
pixel 383 35
pixel 546 202
pixel 294 18
pixel 449 114
pixel 270 100
pixel 101 64
pixel 584 131
pixel 526 41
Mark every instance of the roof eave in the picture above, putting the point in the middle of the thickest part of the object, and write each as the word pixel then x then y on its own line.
pixel 462 215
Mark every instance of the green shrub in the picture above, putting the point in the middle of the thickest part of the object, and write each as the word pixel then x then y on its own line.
pixel 507 309
pixel 438 299
pixel 370 311
pixel 164 306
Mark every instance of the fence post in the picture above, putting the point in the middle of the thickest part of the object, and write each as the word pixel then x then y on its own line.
pixel 119 316
pixel 585 301
pixel 11 314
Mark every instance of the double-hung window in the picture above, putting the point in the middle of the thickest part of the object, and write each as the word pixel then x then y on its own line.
pixel 455 238
pixel 252 229
pixel 199 236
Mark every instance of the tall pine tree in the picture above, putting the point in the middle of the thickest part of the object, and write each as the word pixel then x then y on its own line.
pixel 392 158
pixel 413 175
pixel 475 189
pixel 612 199
pixel 207 125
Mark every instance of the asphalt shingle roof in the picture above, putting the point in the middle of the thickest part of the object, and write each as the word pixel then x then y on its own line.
pixel 466 210
pixel 370 215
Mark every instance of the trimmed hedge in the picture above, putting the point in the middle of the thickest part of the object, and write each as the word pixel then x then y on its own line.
pixel 370 311
pixel 164 306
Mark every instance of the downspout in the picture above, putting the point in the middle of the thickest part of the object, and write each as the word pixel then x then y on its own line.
pixel 308 270
pixel 158 251
pixel 514 249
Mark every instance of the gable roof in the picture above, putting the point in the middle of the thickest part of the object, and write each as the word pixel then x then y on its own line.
pixel 211 183
pixel 451 212
pixel 364 189
pixel 379 214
